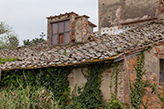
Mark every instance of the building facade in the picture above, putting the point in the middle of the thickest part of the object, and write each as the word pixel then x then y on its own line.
pixel 68 28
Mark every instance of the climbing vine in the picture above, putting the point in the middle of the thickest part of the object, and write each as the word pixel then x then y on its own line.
pixel 138 87
pixel 114 103
pixel 90 95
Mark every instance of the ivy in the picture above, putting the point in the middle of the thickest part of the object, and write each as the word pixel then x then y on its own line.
pixel 138 87
pixel 90 97
pixel 54 79
pixel 137 90
pixel 114 103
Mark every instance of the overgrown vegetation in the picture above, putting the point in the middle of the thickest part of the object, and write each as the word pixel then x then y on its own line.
pixel 53 79
pixel 24 98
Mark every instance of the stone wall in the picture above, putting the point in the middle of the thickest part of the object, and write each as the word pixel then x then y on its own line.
pixel 78 28
pixel 119 11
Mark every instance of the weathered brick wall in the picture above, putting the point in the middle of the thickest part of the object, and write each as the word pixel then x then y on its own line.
pixel 151 67
pixel 78 28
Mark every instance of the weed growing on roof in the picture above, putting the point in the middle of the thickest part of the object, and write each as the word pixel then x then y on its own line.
pixel 65 52
pixel 2 60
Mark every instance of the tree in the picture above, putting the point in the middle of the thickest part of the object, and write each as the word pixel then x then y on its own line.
pixel 8 39
pixel 33 41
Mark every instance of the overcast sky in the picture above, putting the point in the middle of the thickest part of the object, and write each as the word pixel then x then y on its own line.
pixel 28 17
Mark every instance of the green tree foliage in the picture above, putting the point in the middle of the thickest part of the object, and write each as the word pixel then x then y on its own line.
pixel 8 39
pixel 33 41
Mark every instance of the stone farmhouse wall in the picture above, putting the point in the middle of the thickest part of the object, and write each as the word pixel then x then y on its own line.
pixel 76 77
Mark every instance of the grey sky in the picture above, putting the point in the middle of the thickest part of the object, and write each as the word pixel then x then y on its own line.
pixel 28 17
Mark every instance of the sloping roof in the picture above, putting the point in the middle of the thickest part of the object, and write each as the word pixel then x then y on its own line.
pixel 106 47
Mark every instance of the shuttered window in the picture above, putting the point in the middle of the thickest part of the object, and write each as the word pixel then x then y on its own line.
pixel 61 27
pixel 60 32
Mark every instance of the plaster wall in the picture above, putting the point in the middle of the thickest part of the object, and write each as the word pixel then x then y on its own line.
pixel 117 11
pixel 76 79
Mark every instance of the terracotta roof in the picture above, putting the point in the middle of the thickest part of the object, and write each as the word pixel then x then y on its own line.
pixel 63 15
pixel 105 47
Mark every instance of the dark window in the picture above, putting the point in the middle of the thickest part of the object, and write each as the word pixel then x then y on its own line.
pixel 60 32
pixel 161 76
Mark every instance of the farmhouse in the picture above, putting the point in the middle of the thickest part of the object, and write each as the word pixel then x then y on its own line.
pixel 72 43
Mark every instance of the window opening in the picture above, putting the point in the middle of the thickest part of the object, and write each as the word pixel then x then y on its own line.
pixel 60 32
pixel 161 76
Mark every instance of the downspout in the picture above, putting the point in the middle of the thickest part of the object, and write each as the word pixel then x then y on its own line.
pixel 127 78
